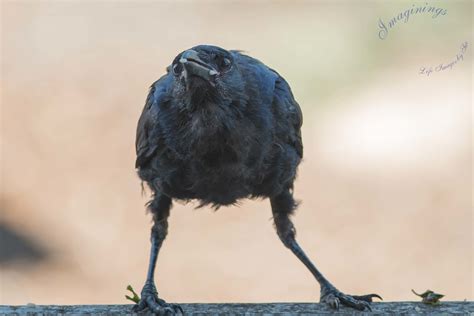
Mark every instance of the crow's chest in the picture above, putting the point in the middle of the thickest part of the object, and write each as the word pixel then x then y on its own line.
pixel 214 140
pixel 219 174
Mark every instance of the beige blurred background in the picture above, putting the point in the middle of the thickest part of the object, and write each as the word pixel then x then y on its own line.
pixel 385 184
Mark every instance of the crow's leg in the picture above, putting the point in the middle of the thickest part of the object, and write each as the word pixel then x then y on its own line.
pixel 160 208
pixel 282 207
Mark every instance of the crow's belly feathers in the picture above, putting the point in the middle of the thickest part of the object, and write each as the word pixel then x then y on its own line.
pixel 220 185
pixel 223 177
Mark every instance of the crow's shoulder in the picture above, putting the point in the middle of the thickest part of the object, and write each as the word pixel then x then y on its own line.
pixel 159 94
pixel 274 90
pixel 290 112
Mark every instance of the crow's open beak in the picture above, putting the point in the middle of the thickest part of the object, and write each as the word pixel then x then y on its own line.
pixel 194 66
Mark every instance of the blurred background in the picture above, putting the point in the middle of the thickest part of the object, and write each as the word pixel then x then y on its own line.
pixel 385 183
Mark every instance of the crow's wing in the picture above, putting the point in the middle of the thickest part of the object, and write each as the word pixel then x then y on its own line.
pixel 276 91
pixel 291 111
pixel 147 141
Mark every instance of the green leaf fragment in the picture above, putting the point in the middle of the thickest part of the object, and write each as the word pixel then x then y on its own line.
pixel 135 297
pixel 429 297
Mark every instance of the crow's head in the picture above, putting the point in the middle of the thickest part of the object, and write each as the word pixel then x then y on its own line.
pixel 206 71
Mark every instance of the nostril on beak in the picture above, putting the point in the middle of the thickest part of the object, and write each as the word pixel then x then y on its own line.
pixel 189 54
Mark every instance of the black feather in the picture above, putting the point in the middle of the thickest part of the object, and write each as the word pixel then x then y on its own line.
pixel 235 136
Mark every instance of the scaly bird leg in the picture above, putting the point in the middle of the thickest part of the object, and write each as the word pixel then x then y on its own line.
pixel 160 208
pixel 282 207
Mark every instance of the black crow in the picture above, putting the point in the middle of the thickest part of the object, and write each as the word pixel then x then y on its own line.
pixel 218 127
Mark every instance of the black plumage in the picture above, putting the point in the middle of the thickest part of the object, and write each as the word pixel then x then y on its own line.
pixel 240 138
pixel 221 126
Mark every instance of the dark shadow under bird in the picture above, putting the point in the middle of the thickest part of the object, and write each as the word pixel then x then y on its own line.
pixel 218 127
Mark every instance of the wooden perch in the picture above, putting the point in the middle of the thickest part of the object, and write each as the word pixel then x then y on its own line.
pixel 405 308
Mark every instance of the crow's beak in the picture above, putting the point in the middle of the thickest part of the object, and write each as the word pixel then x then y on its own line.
pixel 194 66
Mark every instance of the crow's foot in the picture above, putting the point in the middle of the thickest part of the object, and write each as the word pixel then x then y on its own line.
pixel 154 304
pixel 334 298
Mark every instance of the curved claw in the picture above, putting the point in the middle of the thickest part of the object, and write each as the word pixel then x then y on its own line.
pixel 178 309
pixel 332 300
pixel 335 298
pixel 368 297
pixel 157 306
pixel 139 306
pixel 350 301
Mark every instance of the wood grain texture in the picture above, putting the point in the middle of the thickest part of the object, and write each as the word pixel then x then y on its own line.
pixel 394 308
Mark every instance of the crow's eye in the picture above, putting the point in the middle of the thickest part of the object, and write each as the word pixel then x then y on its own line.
pixel 177 68
pixel 224 63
